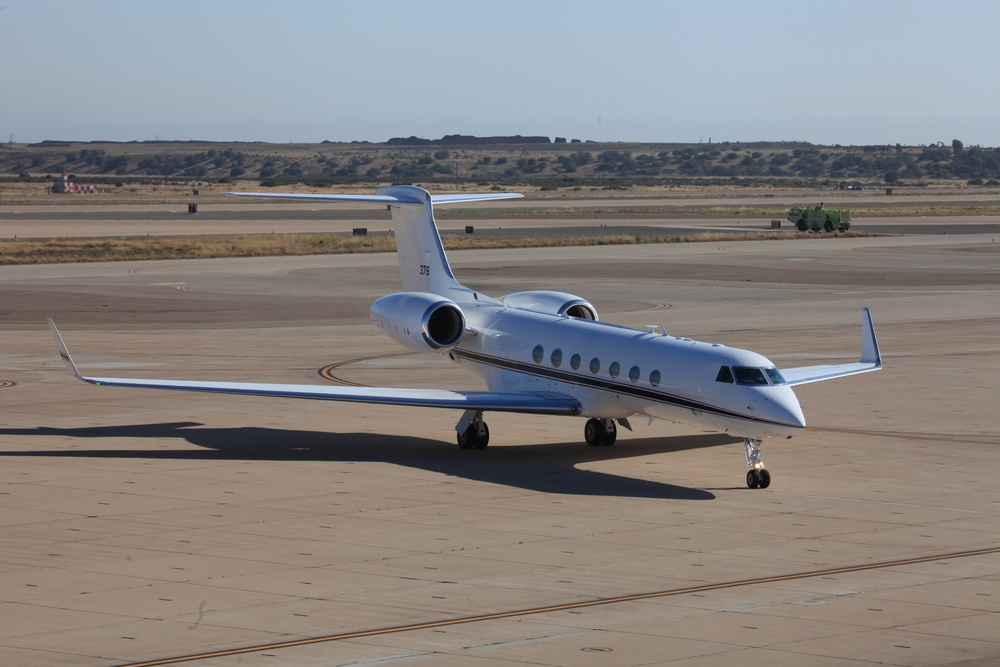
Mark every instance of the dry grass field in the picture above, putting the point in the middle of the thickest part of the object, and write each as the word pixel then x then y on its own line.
pixel 150 221
pixel 53 251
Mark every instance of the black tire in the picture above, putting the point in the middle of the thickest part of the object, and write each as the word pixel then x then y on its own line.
pixel 483 439
pixel 752 480
pixel 610 436
pixel 593 432
pixel 801 225
pixel 828 226
pixel 467 440
pixel 471 439
pixel 764 478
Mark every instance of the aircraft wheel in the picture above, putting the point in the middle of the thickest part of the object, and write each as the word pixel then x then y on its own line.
pixel 764 478
pixel 472 439
pixel 609 436
pixel 467 440
pixel 753 481
pixel 483 439
pixel 593 432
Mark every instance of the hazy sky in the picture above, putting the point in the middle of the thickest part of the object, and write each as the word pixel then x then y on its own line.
pixel 831 72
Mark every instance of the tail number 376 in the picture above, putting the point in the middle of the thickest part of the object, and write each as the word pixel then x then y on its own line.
pixel 425 270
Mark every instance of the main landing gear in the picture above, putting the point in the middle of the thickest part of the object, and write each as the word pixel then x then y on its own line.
pixel 757 476
pixel 475 434
pixel 600 432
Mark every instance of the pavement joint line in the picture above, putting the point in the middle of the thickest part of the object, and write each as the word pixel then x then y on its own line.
pixel 562 607
pixel 884 503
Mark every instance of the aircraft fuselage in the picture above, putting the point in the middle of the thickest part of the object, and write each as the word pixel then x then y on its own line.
pixel 617 372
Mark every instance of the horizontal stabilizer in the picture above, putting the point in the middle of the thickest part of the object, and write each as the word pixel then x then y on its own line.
pixel 399 198
pixel 870 359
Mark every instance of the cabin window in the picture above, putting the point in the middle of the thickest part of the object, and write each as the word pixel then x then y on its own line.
pixel 595 365
pixel 725 375
pixel 615 369
pixel 538 354
pixel 775 376
pixel 749 376
pixel 574 362
pixel 556 357
pixel 633 374
pixel 654 379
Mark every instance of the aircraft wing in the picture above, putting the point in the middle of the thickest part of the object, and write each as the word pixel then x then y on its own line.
pixel 870 360
pixel 539 403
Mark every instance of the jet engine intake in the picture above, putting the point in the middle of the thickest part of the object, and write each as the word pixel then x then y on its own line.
pixel 552 303
pixel 419 320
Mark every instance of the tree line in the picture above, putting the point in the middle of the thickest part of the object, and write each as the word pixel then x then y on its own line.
pixel 542 164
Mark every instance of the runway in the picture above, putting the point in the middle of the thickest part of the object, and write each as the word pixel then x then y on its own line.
pixel 555 608
pixel 154 527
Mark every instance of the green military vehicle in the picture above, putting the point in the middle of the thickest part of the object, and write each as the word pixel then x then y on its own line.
pixel 815 219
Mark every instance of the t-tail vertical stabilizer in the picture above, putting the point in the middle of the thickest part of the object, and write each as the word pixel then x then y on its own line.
pixel 423 265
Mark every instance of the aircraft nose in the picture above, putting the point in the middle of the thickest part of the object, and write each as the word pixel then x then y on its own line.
pixel 784 408
pixel 790 411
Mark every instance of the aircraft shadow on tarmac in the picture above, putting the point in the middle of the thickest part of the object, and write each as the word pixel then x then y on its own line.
pixel 547 468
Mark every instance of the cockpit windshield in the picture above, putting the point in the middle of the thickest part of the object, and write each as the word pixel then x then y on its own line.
pixel 775 376
pixel 749 375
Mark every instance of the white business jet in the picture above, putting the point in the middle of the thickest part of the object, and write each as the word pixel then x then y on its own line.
pixel 546 352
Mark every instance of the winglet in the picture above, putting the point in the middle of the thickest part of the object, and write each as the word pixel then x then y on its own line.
pixel 870 359
pixel 869 343
pixel 64 352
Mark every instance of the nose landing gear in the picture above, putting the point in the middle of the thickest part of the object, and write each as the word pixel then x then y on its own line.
pixel 757 476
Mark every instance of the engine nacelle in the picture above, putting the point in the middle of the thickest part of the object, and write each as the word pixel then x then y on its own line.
pixel 419 320
pixel 553 303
